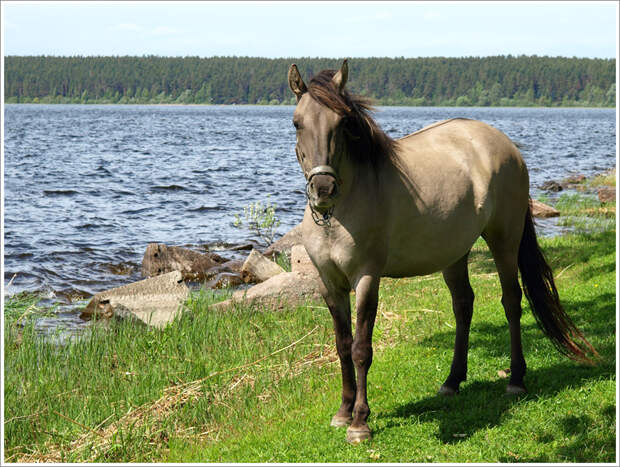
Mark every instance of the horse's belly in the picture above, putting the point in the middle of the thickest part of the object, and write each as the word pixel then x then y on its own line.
pixel 426 248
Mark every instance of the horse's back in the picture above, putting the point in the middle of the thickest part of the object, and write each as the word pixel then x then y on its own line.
pixel 476 151
pixel 461 177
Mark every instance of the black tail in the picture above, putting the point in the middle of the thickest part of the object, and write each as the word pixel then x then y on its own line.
pixel 540 291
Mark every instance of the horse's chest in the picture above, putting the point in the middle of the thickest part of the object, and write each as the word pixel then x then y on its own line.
pixel 338 250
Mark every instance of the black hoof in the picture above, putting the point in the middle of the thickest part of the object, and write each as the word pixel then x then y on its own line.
pixel 447 391
pixel 515 390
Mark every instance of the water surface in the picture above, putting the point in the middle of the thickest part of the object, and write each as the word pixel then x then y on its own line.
pixel 88 187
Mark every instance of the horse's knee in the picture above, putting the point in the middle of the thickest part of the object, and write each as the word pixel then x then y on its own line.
pixel 343 346
pixel 361 354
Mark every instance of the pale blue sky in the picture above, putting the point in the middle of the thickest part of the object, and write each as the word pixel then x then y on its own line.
pixel 311 29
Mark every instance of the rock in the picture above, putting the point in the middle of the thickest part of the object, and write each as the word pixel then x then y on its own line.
pixel 257 268
pixel 298 287
pixel 155 301
pixel 607 194
pixel 301 262
pixel 542 210
pixel 233 266
pixel 224 280
pixel 285 243
pixel 161 259
pixel 286 289
pixel 551 186
pixel 243 246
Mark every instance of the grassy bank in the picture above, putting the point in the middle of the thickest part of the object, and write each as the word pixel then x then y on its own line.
pixel 261 385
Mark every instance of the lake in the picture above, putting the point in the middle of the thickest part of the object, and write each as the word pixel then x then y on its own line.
pixel 86 188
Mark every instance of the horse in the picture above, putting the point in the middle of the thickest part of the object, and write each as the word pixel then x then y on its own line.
pixel 380 207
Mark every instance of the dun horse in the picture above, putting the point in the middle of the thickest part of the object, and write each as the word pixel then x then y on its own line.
pixel 408 207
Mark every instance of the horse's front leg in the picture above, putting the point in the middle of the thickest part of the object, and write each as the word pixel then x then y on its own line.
pixel 340 308
pixel 366 293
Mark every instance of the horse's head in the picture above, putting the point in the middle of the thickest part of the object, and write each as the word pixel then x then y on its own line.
pixel 321 122
pixel 335 137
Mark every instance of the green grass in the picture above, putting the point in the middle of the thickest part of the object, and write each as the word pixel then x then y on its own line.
pixel 607 178
pixel 261 386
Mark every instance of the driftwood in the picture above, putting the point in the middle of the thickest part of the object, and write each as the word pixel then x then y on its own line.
pixel 542 210
pixel 257 268
pixel 161 259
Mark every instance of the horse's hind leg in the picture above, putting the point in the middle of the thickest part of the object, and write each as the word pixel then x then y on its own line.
pixel 505 250
pixel 457 279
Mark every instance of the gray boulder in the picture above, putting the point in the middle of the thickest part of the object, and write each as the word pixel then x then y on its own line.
pixel 543 210
pixel 156 301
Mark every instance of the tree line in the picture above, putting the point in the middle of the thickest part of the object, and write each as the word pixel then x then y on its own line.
pixel 437 81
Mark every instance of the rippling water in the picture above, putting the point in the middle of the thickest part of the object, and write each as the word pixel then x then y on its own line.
pixel 88 187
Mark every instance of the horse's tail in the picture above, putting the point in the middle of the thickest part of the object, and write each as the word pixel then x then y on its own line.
pixel 541 293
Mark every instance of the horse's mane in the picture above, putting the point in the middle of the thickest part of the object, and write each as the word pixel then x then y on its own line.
pixel 366 141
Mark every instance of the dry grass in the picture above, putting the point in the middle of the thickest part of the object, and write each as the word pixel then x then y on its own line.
pixel 96 443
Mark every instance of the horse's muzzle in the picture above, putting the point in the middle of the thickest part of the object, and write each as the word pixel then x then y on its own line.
pixel 322 188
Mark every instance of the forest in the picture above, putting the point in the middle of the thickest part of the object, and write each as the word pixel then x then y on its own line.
pixel 436 81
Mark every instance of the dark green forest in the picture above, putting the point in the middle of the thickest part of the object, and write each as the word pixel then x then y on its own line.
pixel 471 81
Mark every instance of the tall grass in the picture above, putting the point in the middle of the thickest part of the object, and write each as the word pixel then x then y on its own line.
pixel 254 385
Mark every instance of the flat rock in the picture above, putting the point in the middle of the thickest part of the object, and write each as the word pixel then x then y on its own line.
pixel 259 268
pixel 301 262
pixel 542 210
pixel 283 290
pixel 156 301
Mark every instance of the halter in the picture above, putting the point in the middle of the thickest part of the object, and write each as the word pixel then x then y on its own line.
pixel 321 219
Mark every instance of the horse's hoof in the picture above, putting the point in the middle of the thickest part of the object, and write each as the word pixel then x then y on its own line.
pixel 447 391
pixel 357 435
pixel 339 421
pixel 514 390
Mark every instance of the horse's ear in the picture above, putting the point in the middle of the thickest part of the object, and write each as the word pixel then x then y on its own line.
pixel 340 78
pixel 295 82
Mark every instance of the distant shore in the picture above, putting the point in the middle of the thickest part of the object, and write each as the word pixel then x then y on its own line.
pixel 376 104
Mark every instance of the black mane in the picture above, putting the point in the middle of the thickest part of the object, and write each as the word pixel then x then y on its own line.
pixel 366 141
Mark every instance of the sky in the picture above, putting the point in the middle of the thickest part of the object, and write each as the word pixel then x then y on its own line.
pixel 311 29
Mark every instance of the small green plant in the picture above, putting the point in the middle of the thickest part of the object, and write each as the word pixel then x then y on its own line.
pixel 284 260
pixel 259 218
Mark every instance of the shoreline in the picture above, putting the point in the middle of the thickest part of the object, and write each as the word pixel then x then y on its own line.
pixel 154 104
